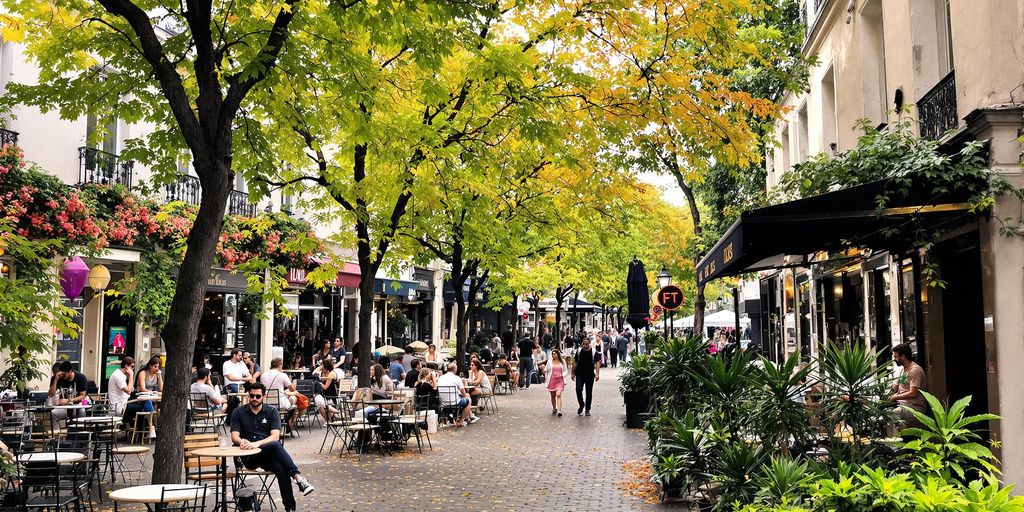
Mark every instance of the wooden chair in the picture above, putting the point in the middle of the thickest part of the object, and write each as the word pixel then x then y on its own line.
pixel 200 470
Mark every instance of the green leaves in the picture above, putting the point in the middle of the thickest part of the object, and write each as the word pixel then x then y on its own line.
pixel 945 445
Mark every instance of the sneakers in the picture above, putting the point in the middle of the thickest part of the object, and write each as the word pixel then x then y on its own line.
pixel 305 487
pixel 588 413
pixel 473 419
pixel 554 412
pixel 559 414
pixel 579 411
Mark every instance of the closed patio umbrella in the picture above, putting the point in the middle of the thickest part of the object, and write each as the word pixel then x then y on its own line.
pixel 637 295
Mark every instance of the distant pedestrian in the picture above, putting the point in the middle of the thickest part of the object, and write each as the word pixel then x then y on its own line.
pixel 556 381
pixel 585 373
pixel 507 339
pixel 612 348
pixel 606 343
pixel 621 345
pixel 525 346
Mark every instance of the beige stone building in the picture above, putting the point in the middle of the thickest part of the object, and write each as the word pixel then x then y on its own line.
pixel 959 65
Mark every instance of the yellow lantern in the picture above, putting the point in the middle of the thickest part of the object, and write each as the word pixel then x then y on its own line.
pixel 99 278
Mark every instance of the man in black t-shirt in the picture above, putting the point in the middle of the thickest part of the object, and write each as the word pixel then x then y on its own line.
pixel 525 346
pixel 259 426
pixel 64 383
pixel 413 374
pixel 507 339
pixel 585 371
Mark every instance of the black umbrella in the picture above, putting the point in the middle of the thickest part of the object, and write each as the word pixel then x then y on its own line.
pixel 637 295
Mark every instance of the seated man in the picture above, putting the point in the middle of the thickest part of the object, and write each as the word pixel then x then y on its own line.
pixel 907 388
pixel 413 375
pixel 202 385
pixel 259 426
pixel 119 393
pixel 69 387
pixel 459 399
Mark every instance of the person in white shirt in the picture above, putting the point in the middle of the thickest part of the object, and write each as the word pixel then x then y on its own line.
pixel 236 373
pixel 119 392
pixel 276 379
pixel 459 398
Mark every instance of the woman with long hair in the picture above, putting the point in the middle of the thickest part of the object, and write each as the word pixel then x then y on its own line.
pixel 478 379
pixel 324 353
pixel 327 390
pixel 556 381
pixel 432 356
pixel 150 378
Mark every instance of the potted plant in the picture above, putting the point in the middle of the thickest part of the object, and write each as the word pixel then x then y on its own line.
pixel 635 386
pixel 22 367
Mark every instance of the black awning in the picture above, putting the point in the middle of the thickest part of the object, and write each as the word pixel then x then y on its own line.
pixel 785 234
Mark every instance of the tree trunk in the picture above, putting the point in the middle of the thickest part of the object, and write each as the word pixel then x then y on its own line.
pixel 179 334
pixel 367 279
pixel 576 311
pixel 558 312
pixel 691 201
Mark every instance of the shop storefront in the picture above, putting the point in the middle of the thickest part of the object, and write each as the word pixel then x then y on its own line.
pixel 421 307
pixel 391 316
pixel 314 315
pixel 835 269
pixel 230 317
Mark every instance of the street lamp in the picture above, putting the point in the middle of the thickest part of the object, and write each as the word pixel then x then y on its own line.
pixel 664 279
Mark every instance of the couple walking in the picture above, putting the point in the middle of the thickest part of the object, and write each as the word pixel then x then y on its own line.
pixel 585 372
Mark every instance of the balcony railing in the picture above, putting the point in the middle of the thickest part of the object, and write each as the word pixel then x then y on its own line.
pixel 936 110
pixel 8 138
pixel 186 189
pixel 818 4
pixel 95 166
pixel 238 204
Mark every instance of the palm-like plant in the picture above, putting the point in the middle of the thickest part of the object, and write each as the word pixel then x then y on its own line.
pixel 780 415
pixel 783 481
pixel 852 387
pixel 945 444
pixel 732 470
pixel 725 384
pixel 674 363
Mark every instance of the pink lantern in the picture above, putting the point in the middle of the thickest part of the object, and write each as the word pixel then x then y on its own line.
pixel 73 277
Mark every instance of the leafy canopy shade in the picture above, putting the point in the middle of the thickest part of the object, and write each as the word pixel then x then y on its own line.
pixel 637 295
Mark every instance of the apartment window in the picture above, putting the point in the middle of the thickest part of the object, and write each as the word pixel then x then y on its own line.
pixel 801 133
pixel 944 30
pixel 102 137
pixel 785 150
pixel 829 130
pixel 872 37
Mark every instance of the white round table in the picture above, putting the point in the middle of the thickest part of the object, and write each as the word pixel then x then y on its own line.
pixel 60 457
pixel 152 493
pixel 70 406
pixel 98 419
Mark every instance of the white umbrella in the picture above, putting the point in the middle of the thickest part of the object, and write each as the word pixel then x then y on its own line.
pixel 390 349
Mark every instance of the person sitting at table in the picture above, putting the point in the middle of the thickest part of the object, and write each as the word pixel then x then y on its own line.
pixel 396 372
pixel 296 362
pixel 254 368
pixel 215 401
pixel 150 379
pixel 426 385
pixel 323 355
pixel 380 388
pixel 414 374
pixel 119 393
pixel 478 379
pixel 432 355
pixel 277 379
pixel 459 399
pixel 258 425
pixel 69 387
pixel 327 390
pixel 408 358
pixel 511 371
pixel 338 353
pixel 235 372
pixel 540 362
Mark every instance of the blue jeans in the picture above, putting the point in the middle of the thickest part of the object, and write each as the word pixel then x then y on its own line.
pixel 462 403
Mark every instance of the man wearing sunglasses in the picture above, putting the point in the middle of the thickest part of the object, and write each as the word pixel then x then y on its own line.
pixel 259 426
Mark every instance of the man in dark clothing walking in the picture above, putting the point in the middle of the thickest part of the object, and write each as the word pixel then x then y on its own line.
pixel 525 346
pixel 622 344
pixel 585 372
pixel 507 339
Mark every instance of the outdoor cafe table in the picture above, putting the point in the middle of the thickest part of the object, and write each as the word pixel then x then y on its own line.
pixel 60 457
pixel 156 494
pixel 223 453
pixel 301 372
pixel 98 419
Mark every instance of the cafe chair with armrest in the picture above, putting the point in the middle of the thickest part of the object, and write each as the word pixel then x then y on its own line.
pixel 306 388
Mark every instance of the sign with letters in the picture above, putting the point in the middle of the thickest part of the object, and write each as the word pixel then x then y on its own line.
pixel 671 297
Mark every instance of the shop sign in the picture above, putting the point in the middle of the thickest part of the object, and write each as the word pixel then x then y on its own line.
pixel 670 297
pixel 220 278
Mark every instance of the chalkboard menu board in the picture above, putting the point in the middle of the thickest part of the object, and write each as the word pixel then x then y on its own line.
pixel 69 346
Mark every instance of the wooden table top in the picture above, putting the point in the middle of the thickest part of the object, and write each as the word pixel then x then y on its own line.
pixel 61 457
pixel 153 493
pixel 224 452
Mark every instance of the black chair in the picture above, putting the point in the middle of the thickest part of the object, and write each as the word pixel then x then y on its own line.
pixel 170 500
pixel 449 395
pixel 42 483
pixel 306 387
pixel 83 473
pixel 417 422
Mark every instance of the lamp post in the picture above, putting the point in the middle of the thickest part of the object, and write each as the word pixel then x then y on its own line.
pixel 664 279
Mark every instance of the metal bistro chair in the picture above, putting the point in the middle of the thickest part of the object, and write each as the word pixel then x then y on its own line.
pixel 306 387
pixel 359 430
pixel 202 419
pixel 42 482
pixel 449 395
pixel 501 381
pixel 417 421
pixel 193 503
pixel 82 474
pixel 336 423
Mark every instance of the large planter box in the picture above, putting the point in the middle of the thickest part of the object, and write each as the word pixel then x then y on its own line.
pixel 638 404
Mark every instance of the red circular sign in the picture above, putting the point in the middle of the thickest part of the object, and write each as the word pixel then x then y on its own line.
pixel 671 297
pixel 526 316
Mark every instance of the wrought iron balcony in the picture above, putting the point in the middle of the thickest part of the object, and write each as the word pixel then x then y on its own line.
pixel 936 110
pixel 8 138
pixel 238 204
pixel 186 189
pixel 96 166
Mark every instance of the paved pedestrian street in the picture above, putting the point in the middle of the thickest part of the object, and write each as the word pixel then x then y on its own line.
pixel 520 459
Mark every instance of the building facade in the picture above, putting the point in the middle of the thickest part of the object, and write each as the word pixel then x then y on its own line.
pixel 957 69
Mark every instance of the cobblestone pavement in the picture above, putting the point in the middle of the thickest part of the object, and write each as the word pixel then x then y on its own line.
pixel 520 459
